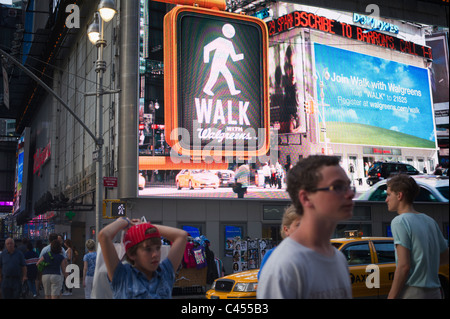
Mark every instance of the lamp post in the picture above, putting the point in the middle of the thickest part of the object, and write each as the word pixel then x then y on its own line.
pixel 106 11
pixel 153 107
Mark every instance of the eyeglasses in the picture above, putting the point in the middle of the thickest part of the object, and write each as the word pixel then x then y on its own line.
pixel 340 189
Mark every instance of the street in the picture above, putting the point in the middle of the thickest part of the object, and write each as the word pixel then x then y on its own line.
pixel 253 192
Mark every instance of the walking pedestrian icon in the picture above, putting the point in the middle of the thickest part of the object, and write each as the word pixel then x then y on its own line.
pixel 223 50
pixel 216 83
pixel 118 209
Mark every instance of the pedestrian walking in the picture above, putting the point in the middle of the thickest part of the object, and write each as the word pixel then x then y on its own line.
pixel 13 271
pixel 144 277
pixel 89 260
pixel 420 246
pixel 305 264
pixel 31 259
pixel 266 173
pixel 47 248
pixel 242 178
pixel 273 175
pixel 54 262
pixel 279 175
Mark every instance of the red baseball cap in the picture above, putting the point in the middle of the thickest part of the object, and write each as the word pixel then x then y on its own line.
pixel 139 233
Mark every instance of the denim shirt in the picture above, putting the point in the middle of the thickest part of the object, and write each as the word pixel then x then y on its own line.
pixel 130 283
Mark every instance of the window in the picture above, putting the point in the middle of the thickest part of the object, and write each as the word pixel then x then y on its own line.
pixel 379 194
pixel 425 196
pixel 229 233
pixel 272 231
pixel 357 254
pixel 411 170
pixel 385 252
pixel 194 230
pixel 444 190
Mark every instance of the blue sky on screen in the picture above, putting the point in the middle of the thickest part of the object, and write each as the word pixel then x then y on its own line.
pixel 373 91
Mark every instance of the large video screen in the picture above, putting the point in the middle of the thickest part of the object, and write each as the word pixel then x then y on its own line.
pixel 219 91
pixel 367 100
pixel 21 179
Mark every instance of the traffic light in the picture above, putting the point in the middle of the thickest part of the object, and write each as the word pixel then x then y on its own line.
pixel 118 209
pixel 306 103
pixel 216 83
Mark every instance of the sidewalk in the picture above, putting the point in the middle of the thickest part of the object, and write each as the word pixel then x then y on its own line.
pixel 77 293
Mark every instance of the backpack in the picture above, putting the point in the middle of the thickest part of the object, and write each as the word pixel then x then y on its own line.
pixel 43 264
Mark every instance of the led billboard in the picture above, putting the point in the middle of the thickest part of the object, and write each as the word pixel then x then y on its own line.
pixel 216 76
pixel 216 109
pixel 368 100
pixel 22 165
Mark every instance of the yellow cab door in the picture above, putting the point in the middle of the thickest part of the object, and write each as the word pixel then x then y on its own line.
pixel 385 260
pixel 359 256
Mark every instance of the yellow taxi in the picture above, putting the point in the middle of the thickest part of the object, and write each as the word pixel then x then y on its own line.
pixel 371 263
pixel 198 178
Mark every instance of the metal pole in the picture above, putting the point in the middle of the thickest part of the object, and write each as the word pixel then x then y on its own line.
pixel 322 97
pixel 128 110
pixel 100 69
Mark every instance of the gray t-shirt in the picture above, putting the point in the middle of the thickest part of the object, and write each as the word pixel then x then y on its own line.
pixel 421 235
pixel 294 271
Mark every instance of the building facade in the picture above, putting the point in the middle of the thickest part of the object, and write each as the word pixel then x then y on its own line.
pixel 61 187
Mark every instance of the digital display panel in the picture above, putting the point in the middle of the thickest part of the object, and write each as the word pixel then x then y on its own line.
pixel 218 74
pixel 372 101
pixel 20 185
pixel 220 60
pixel 302 19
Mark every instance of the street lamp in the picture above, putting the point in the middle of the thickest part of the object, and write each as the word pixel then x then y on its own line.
pixel 153 107
pixel 107 9
pixel 106 12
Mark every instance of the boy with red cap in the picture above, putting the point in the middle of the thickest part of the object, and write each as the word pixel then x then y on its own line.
pixel 144 277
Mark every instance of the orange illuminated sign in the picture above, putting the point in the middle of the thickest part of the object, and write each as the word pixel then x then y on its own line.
pixel 216 83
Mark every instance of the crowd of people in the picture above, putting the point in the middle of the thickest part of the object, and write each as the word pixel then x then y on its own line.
pixel 303 265
pixel 29 269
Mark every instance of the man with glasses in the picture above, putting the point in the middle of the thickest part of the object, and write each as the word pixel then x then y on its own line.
pixel 306 265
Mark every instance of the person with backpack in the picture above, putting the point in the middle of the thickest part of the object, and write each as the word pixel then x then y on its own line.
pixel 51 264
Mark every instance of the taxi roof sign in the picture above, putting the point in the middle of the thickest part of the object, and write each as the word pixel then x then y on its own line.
pixel 352 234
pixel 216 83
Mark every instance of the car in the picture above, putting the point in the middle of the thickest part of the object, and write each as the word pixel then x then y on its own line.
pixel 198 178
pixel 383 170
pixel 432 189
pixel 362 254
pixel 241 285
pixel 226 177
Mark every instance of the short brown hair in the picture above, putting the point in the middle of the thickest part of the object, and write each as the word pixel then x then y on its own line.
pixel 150 241
pixel 55 247
pixel 305 175
pixel 405 184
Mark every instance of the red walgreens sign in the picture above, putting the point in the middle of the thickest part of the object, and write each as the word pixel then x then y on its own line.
pixel 41 157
